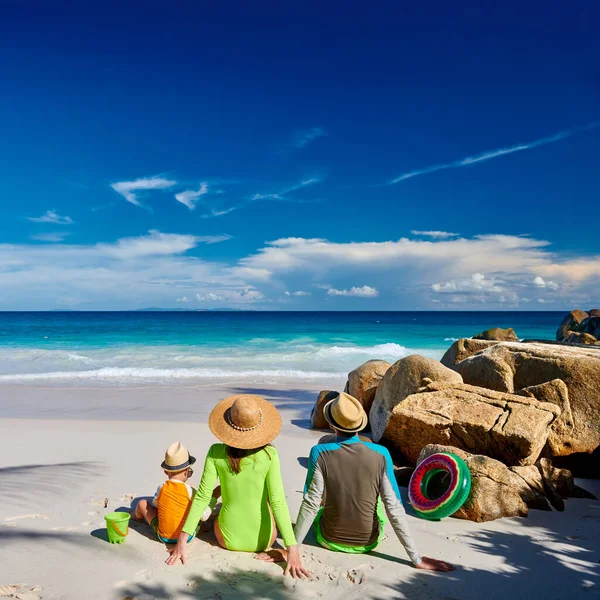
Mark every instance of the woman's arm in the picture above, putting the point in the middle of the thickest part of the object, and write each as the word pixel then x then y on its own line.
pixel 200 501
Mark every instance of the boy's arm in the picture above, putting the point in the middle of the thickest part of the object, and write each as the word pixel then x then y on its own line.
pixel 155 498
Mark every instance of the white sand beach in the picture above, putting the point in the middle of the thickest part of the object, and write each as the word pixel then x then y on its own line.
pixel 70 455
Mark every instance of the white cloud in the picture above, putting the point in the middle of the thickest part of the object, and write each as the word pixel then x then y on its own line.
pixel 476 283
pixel 357 292
pixel 232 296
pixel 190 198
pixel 304 138
pixel 128 189
pixel 541 283
pixel 155 268
pixel 155 244
pixel 298 293
pixel 182 299
pixel 439 235
pixel 50 237
pixel 126 274
pixel 52 216
pixel 489 154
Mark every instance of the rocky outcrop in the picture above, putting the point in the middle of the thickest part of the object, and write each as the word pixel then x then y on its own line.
pixel 462 349
pixel 403 378
pixel 317 420
pixel 507 427
pixel 555 392
pixel 507 366
pixel 590 326
pixel 500 491
pixel 570 323
pixel 498 334
pixel 580 338
pixel 364 380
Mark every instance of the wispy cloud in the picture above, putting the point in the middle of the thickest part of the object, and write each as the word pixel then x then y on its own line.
pixel 190 198
pixel 438 235
pixel 129 189
pixel 50 237
pixel 490 154
pixel 299 293
pixel 282 194
pixel 357 292
pixel 305 137
pixel 52 216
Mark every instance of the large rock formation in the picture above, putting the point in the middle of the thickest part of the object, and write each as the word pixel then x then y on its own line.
pixel 507 427
pixel 364 380
pixel 500 491
pixel 507 367
pixel 498 334
pixel 317 420
pixel 570 323
pixel 510 428
pixel 403 378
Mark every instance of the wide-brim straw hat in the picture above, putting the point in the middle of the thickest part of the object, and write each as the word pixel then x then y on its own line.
pixel 345 413
pixel 245 421
pixel 177 458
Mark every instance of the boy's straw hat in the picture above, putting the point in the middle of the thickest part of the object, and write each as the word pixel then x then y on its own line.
pixel 177 458
pixel 345 413
pixel 245 421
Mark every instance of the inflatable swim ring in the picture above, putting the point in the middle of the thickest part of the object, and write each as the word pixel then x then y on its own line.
pixel 439 486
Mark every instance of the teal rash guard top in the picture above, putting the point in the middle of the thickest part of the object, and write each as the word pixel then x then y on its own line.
pixel 245 520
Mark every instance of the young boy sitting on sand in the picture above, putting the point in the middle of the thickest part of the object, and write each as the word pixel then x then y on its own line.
pixel 168 510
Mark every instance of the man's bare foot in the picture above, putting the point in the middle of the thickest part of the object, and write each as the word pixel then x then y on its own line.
pixel 273 555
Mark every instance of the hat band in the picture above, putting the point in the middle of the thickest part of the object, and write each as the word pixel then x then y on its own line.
pixel 177 467
pixel 232 424
pixel 339 426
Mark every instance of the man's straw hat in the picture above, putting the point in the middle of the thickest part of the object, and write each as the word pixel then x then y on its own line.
pixel 177 458
pixel 345 413
pixel 245 421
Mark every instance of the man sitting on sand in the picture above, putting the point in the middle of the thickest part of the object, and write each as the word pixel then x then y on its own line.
pixel 169 508
pixel 346 481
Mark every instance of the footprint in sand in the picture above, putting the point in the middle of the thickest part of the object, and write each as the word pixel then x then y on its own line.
pixel 21 591
pixel 127 498
pixel 30 516
pixel 101 502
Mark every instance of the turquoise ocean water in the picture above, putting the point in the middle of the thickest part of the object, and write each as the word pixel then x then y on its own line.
pixel 127 347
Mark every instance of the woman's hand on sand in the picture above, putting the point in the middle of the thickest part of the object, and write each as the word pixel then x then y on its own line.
pixel 432 564
pixel 294 564
pixel 178 553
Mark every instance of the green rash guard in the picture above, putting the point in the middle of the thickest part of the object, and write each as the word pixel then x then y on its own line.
pixel 245 520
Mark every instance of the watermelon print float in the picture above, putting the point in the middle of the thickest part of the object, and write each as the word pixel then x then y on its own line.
pixel 439 486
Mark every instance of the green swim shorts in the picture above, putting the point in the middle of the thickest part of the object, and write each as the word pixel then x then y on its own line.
pixel 343 547
pixel 154 525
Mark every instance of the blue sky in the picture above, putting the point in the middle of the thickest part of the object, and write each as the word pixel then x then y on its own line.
pixel 293 156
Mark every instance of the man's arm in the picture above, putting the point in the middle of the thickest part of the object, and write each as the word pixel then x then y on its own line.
pixel 313 494
pixel 390 494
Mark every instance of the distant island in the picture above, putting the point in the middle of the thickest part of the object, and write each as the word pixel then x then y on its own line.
pixel 158 309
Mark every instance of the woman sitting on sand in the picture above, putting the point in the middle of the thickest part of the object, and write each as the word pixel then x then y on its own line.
pixel 247 467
